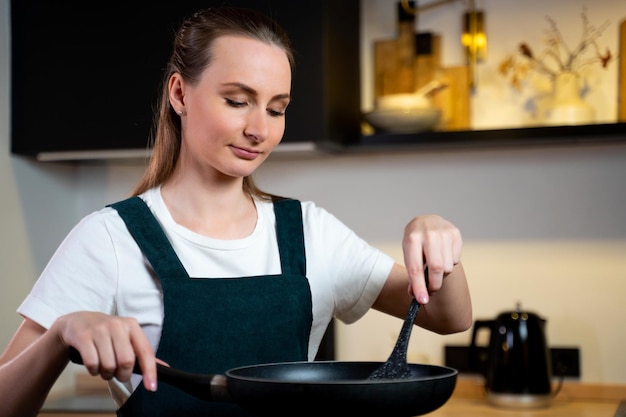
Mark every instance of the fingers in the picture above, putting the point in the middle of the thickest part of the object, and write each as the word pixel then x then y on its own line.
pixel 434 243
pixel 109 346
pixel 147 362
pixel 414 262
pixel 418 288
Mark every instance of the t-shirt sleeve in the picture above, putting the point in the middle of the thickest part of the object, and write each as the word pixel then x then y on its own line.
pixel 343 269
pixel 80 276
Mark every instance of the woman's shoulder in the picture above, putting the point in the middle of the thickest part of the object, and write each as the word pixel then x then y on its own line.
pixel 313 211
pixel 310 210
pixel 102 221
pixel 317 219
pixel 99 225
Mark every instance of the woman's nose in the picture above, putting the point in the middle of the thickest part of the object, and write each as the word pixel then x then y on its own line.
pixel 257 125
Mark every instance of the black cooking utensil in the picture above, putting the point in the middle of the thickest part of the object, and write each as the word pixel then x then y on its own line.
pixel 396 366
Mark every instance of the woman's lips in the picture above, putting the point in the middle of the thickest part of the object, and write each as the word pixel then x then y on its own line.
pixel 245 153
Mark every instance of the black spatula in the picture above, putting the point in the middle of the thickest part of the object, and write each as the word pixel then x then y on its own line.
pixel 396 366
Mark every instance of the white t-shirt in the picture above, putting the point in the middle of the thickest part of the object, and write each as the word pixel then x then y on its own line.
pixel 99 267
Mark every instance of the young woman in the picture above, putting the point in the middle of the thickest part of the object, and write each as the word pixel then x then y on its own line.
pixel 201 269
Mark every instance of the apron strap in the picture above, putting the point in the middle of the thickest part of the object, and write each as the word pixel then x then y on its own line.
pixel 290 236
pixel 150 237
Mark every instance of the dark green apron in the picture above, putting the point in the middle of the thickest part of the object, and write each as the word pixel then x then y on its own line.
pixel 212 325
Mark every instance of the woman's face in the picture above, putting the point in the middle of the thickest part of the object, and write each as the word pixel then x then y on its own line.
pixel 234 117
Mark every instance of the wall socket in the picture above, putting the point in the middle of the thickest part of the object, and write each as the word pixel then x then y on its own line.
pixel 565 360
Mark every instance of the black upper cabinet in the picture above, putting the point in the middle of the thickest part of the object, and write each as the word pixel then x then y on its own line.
pixel 85 76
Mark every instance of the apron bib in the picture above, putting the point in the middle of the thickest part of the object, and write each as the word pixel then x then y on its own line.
pixel 214 324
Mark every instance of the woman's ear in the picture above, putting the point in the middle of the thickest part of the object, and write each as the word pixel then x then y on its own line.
pixel 176 87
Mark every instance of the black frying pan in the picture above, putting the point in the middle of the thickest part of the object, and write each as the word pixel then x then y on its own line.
pixel 274 389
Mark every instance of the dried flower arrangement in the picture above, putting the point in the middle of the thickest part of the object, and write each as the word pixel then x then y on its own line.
pixel 557 57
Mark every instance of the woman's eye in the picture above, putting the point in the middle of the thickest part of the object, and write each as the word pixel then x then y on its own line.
pixel 234 103
pixel 276 113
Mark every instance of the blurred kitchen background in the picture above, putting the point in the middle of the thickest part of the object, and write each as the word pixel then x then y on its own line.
pixel 543 225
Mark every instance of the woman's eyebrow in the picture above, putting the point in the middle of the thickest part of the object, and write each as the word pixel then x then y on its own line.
pixel 254 92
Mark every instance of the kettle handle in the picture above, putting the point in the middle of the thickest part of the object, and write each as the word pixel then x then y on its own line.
pixel 476 361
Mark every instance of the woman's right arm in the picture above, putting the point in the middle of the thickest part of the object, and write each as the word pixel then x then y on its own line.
pixel 35 357
pixel 29 366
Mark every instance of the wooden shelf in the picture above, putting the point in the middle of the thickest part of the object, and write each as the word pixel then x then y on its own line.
pixel 528 136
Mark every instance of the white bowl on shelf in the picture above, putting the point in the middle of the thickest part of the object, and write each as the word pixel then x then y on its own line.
pixel 406 120
pixel 406 112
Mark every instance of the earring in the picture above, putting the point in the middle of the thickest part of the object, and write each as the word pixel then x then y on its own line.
pixel 180 112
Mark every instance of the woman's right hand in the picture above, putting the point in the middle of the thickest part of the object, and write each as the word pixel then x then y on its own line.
pixel 35 357
pixel 109 345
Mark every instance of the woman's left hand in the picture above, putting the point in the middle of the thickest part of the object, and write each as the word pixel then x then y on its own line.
pixel 432 241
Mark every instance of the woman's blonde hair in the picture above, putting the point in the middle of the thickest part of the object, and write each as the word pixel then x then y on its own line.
pixel 191 55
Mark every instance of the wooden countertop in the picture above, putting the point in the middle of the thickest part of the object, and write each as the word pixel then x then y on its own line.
pixel 457 407
pixel 573 400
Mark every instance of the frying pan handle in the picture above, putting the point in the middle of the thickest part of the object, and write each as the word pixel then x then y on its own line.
pixel 207 387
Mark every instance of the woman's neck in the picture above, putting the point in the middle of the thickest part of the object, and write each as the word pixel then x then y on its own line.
pixel 221 211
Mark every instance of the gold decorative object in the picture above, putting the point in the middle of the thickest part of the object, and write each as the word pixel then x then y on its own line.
pixel 474 39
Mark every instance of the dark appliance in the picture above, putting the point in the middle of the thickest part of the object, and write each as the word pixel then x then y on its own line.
pixel 518 368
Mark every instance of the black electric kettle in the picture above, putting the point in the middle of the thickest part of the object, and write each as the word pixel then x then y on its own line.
pixel 518 369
